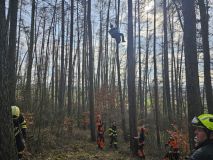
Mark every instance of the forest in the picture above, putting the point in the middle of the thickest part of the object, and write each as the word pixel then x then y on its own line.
pixel 104 79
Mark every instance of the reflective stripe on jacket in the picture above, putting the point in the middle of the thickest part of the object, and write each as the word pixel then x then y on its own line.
pixel 112 132
pixel 19 125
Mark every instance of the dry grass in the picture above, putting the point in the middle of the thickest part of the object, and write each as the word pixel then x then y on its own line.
pixel 79 147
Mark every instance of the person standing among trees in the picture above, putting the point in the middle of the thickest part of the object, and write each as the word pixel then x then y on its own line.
pixel 204 137
pixel 140 143
pixel 19 130
pixel 100 136
pixel 113 135
pixel 100 132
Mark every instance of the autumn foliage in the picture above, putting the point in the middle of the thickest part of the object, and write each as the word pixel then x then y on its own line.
pixel 181 137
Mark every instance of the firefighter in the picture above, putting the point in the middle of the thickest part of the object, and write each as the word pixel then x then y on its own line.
pixel 19 130
pixel 204 137
pixel 113 135
pixel 100 136
pixel 173 149
pixel 115 33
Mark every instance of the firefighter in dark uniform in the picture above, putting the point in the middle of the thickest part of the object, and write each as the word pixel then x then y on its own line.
pixel 113 135
pixel 19 130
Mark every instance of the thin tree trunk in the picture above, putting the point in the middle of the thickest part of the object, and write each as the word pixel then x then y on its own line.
pixel 98 79
pixel 19 36
pixel 78 68
pixel 173 70
pixel 179 74
pixel 27 95
pixel 62 73
pixel 205 41
pixel 42 82
pixel 84 59
pixel 106 46
pixel 146 65
pixel 69 108
pixel 156 83
pixel 91 74
pixel 123 121
pixel 57 76
pixel 141 92
pixel 53 63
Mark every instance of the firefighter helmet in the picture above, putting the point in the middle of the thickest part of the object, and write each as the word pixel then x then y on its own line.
pixel 15 111
pixel 203 121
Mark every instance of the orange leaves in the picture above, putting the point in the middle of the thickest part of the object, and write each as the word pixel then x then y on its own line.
pixel 68 124
pixel 181 138
pixel 105 97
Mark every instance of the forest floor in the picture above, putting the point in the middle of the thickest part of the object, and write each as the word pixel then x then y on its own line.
pixel 79 147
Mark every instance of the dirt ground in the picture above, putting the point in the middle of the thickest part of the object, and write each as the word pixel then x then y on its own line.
pixel 82 150
pixel 79 147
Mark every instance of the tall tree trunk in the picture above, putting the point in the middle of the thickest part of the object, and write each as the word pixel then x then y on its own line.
pixel 106 46
pixel 12 52
pixel 62 73
pixel 42 82
pixel 84 59
pixel 53 73
pixel 100 56
pixel 78 68
pixel 57 76
pixel 18 36
pixel 7 145
pixel 141 92
pixel 70 60
pixel 53 62
pixel 165 109
pixel 173 69
pixel 27 98
pixel 146 65
pixel 179 74
pixel 205 41
pixel 123 120
pixel 191 63
pixel 91 74
pixel 156 83
pixel 131 81
pixel 166 66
